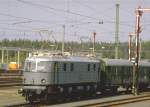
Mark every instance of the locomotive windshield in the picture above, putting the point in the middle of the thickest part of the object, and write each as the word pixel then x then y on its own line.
pixel 44 66
pixel 41 66
pixel 30 66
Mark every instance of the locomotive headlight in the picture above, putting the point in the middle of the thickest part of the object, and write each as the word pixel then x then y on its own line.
pixel 43 81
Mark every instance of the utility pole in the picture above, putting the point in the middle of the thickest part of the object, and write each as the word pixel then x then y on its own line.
pixel 63 38
pixel 117 31
pixel 140 48
pixel 7 54
pixel 18 58
pixel 138 13
pixel 137 31
pixel 129 47
pixel 94 34
pixel 81 43
pixel 132 60
pixel 2 52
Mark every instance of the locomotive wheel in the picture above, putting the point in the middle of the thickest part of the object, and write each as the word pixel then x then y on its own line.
pixel 114 90
pixel 46 99
pixel 30 99
pixel 49 98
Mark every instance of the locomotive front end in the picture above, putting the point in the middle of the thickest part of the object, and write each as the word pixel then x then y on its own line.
pixel 36 78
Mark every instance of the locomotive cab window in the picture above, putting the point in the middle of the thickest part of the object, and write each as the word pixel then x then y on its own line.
pixel 64 67
pixel 94 67
pixel 44 66
pixel 71 67
pixel 56 66
pixel 30 66
pixel 88 67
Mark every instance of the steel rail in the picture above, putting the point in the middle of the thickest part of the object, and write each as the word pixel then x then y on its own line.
pixel 26 104
pixel 119 102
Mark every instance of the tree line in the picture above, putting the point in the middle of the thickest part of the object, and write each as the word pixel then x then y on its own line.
pixel 105 49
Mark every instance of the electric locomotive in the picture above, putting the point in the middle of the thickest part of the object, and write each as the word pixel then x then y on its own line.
pixel 48 76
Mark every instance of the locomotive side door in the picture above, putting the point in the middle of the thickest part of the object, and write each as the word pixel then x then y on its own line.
pixel 56 78
pixel 99 73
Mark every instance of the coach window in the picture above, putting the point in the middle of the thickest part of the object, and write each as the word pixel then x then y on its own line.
pixel 56 66
pixel 146 69
pixel 88 67
pixel 71 67
pixel 64 66
pixel 94 67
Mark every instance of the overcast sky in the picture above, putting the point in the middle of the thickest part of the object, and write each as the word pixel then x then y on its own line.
pixel 25 18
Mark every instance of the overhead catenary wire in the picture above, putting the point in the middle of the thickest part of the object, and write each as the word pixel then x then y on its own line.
pixel 40 20
pixel 29 20
pixel 95 9
pixel 5 14
pixel 81 24
pixel 58 10
pixel 14 29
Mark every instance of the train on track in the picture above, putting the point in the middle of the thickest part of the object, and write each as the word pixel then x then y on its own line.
pixel 11 67
pixel 46 77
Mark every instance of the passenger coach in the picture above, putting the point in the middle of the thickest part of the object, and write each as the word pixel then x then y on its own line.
pixel 119 73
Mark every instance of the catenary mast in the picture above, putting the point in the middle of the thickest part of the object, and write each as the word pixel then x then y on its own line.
pixel 117 31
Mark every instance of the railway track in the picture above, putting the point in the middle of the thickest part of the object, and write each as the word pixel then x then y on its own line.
pixel 25 104
pixel 118 102
pixel 10 79
pixel 98 102
pixel 10 74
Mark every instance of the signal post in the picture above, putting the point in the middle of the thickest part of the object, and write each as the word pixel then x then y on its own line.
pixel 138 13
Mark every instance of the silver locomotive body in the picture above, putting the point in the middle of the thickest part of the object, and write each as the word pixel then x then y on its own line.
pixel 46 76
pixel 36 77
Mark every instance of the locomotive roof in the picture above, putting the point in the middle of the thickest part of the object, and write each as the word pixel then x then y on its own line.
pixel 118 62
pixel 64 58
pixel 123 62
pixel 144 63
